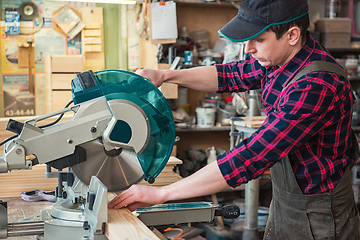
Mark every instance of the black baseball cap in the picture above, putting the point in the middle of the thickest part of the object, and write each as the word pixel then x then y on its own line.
pixel 256 16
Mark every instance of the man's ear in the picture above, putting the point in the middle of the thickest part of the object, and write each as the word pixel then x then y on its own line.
pixel 294 35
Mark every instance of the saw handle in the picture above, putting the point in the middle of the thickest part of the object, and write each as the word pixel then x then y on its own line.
pixel 228 211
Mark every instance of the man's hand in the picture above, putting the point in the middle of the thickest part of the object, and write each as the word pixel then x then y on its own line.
pixel 154 76
pixel 137 196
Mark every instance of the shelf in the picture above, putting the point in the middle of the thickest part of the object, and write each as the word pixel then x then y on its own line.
pixel 356 128
pixel 344 50
pixel 354 78
pixel 215 4
pixel 198 129
pixel 341 52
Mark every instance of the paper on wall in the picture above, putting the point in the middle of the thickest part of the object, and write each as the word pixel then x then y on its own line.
pixel 163 20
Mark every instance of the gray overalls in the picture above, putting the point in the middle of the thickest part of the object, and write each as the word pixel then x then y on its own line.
pixel 297 216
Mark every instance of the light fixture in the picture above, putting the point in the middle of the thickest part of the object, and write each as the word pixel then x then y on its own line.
pixel 98 1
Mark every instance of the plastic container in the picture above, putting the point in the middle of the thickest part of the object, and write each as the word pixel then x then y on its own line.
pixel 205 117
pixel 199 35
pixel 212 155
pixel 225 112
pixel 263 214
pixel 204 44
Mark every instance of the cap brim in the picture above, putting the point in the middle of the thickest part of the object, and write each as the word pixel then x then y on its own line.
pixel 241 30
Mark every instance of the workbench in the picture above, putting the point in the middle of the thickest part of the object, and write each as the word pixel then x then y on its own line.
pixel 122 224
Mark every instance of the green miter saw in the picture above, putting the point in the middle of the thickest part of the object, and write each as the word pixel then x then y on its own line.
pixel 138 139
pixel 122 131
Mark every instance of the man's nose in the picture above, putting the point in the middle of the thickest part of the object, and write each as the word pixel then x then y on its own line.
pixel 249 47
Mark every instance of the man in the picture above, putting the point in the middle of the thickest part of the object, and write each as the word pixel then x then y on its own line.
pixel 306 138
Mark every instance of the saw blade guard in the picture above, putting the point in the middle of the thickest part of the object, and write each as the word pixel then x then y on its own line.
pixel 127 86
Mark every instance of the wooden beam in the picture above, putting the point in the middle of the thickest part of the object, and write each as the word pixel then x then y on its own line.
pixel 123 225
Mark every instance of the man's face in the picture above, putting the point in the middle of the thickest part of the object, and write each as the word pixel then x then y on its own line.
pixel 268 50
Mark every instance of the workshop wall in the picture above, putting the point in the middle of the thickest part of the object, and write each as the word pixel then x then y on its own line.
pixel 16 98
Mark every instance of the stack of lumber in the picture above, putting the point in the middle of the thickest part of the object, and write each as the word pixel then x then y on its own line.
pixel 167 176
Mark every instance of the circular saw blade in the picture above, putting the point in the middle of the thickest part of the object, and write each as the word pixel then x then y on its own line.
pixel 115 172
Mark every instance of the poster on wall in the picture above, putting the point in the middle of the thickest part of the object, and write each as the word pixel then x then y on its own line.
pixel 48 41
pixel 18 101
pixel 45 9
pixel 10 4
pixel 73 45
pixel 9 54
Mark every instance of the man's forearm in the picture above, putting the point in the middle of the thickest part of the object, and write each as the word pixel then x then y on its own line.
pixel 199 78
pixel 206 181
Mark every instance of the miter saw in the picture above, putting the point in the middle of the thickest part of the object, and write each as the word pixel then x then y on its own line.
pixel 122 131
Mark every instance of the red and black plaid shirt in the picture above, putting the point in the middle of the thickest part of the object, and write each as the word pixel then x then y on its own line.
pixel 310 121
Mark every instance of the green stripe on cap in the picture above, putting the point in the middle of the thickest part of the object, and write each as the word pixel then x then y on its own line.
pixel 262 30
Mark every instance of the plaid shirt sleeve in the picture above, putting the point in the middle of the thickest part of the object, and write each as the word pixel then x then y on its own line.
pixel 240 76
pixel 310 120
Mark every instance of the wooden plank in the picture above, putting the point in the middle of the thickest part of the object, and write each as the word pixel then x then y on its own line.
pixel 333 25
pixel 93 19
pixel 23 56
pixel 92 40
pixel 148 54
pixel 59 99
pixel 15 182
pixel 123 225
pixel 92 48
pixel 67 63
pixel 251 122
pixel 92 33
pixel 47 83
pixel 62 81
pixel 169 90
pixel 92 25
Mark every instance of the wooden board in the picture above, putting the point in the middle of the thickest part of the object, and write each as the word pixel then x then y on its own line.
pixel 62 81
pixel 59 99
pixel 93 50
pixel 67 63
pixel 169 90
pixel 335 40
pixel 251 122
pixel 333 25
pixel 15 182
pixel 123 225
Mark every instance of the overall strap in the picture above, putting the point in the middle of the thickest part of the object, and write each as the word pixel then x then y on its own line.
pixel 320 66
